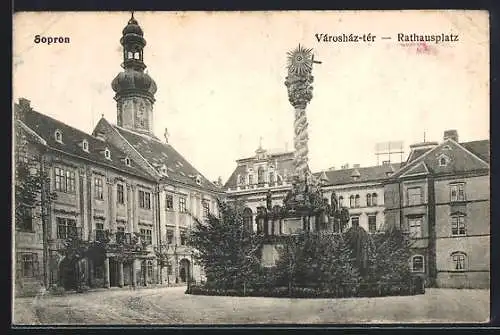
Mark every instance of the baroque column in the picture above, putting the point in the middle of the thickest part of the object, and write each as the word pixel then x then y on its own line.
pixel 299 86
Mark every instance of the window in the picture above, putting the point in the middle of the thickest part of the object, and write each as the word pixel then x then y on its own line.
pixel 119 194
pixel 351 201
pixel 206 208
pixel 372 224
pixel 99 232
pixel 374 199
pixel 26 223
pixel 341 201
pixel 66 228
pixel 242 180
pixel 98 188
pixel 170 236
pixel 130 55
pixel 58 136
pixel 183 237
pixel 127 161
pixel 248 219
pixel 120 234
pixel 144 199
pixel 107 153
pixel 442 161
pixel 146 236
pixel 417 263
pixel 458 225
pixel 356 200
pixel 271 177
pixel 169 201
pixel 414 196
pixel 457 192
pixel 182 204
pixel 64 180
pixel 85 146
pixel 355 221
pixel 136 55
pixel 368 200
pixel 415 225
pixel 28 265
pixel 458 261
pixel 250 179
pixel 260 175
pixel 198 180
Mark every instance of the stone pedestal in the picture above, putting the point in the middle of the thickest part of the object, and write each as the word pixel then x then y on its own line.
pixel 106 272
pixel 120 274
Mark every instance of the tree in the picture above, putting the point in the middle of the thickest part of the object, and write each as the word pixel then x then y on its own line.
pixel 32 191
pixel 227 251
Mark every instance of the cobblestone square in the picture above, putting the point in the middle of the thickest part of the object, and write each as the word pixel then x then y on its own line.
pixel 170 306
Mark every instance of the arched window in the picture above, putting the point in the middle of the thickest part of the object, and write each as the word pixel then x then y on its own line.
pixel 417 263
pixel 130 55
pixel 351 201
pixel 374 199
pixel 341 201
pixel 459 261
pixel 250 179
pixel 58 136
pixel 260 175
pixel 368 200
pixel 261 220
pixel 241 180
pixel 271 177
pixel 356 201
pixel 107 153
pixel 137 55
pixel 248 219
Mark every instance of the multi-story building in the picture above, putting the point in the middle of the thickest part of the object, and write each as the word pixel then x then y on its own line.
pixel 120 186
pixel 254 177
pixel 441 197
pixel 360 189
pixel 183 193
pixel 100 193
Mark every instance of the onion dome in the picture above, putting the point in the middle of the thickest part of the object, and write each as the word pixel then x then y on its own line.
pixel 132 27
pixel 133 81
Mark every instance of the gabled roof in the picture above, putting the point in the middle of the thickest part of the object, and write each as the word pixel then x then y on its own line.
pixel 366 174
pixel 480 148
pixel 463 157
pixel 158 153
pixel 45 127
pixel 417 169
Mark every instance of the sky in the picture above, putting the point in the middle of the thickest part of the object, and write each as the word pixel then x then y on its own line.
pixel 220 78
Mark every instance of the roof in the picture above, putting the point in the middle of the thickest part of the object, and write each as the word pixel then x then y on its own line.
pixel 159 153
pixel 366 174
pixel 72 138
pixel 464 157
pixel 479 148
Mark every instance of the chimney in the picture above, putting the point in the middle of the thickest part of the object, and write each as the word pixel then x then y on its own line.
pixel 356 166
pixel 386 163
pixel 24 103
pixel 332 168
pixel 345 166
pixel 450 134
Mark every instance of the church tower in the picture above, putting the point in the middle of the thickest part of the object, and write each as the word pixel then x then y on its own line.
pixel 134 88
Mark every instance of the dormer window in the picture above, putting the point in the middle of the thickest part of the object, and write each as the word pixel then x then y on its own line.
pixel 443 160
pixel 127 161
pixel 198 180
pixel 163 169
pixel 107 153
pixel 58 136
pixel 85 145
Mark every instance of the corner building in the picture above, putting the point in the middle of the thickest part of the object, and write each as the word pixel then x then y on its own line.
pixel 182 194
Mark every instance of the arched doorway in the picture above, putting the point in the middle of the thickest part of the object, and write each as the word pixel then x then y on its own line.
pixel 184 270
pixel 68 273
